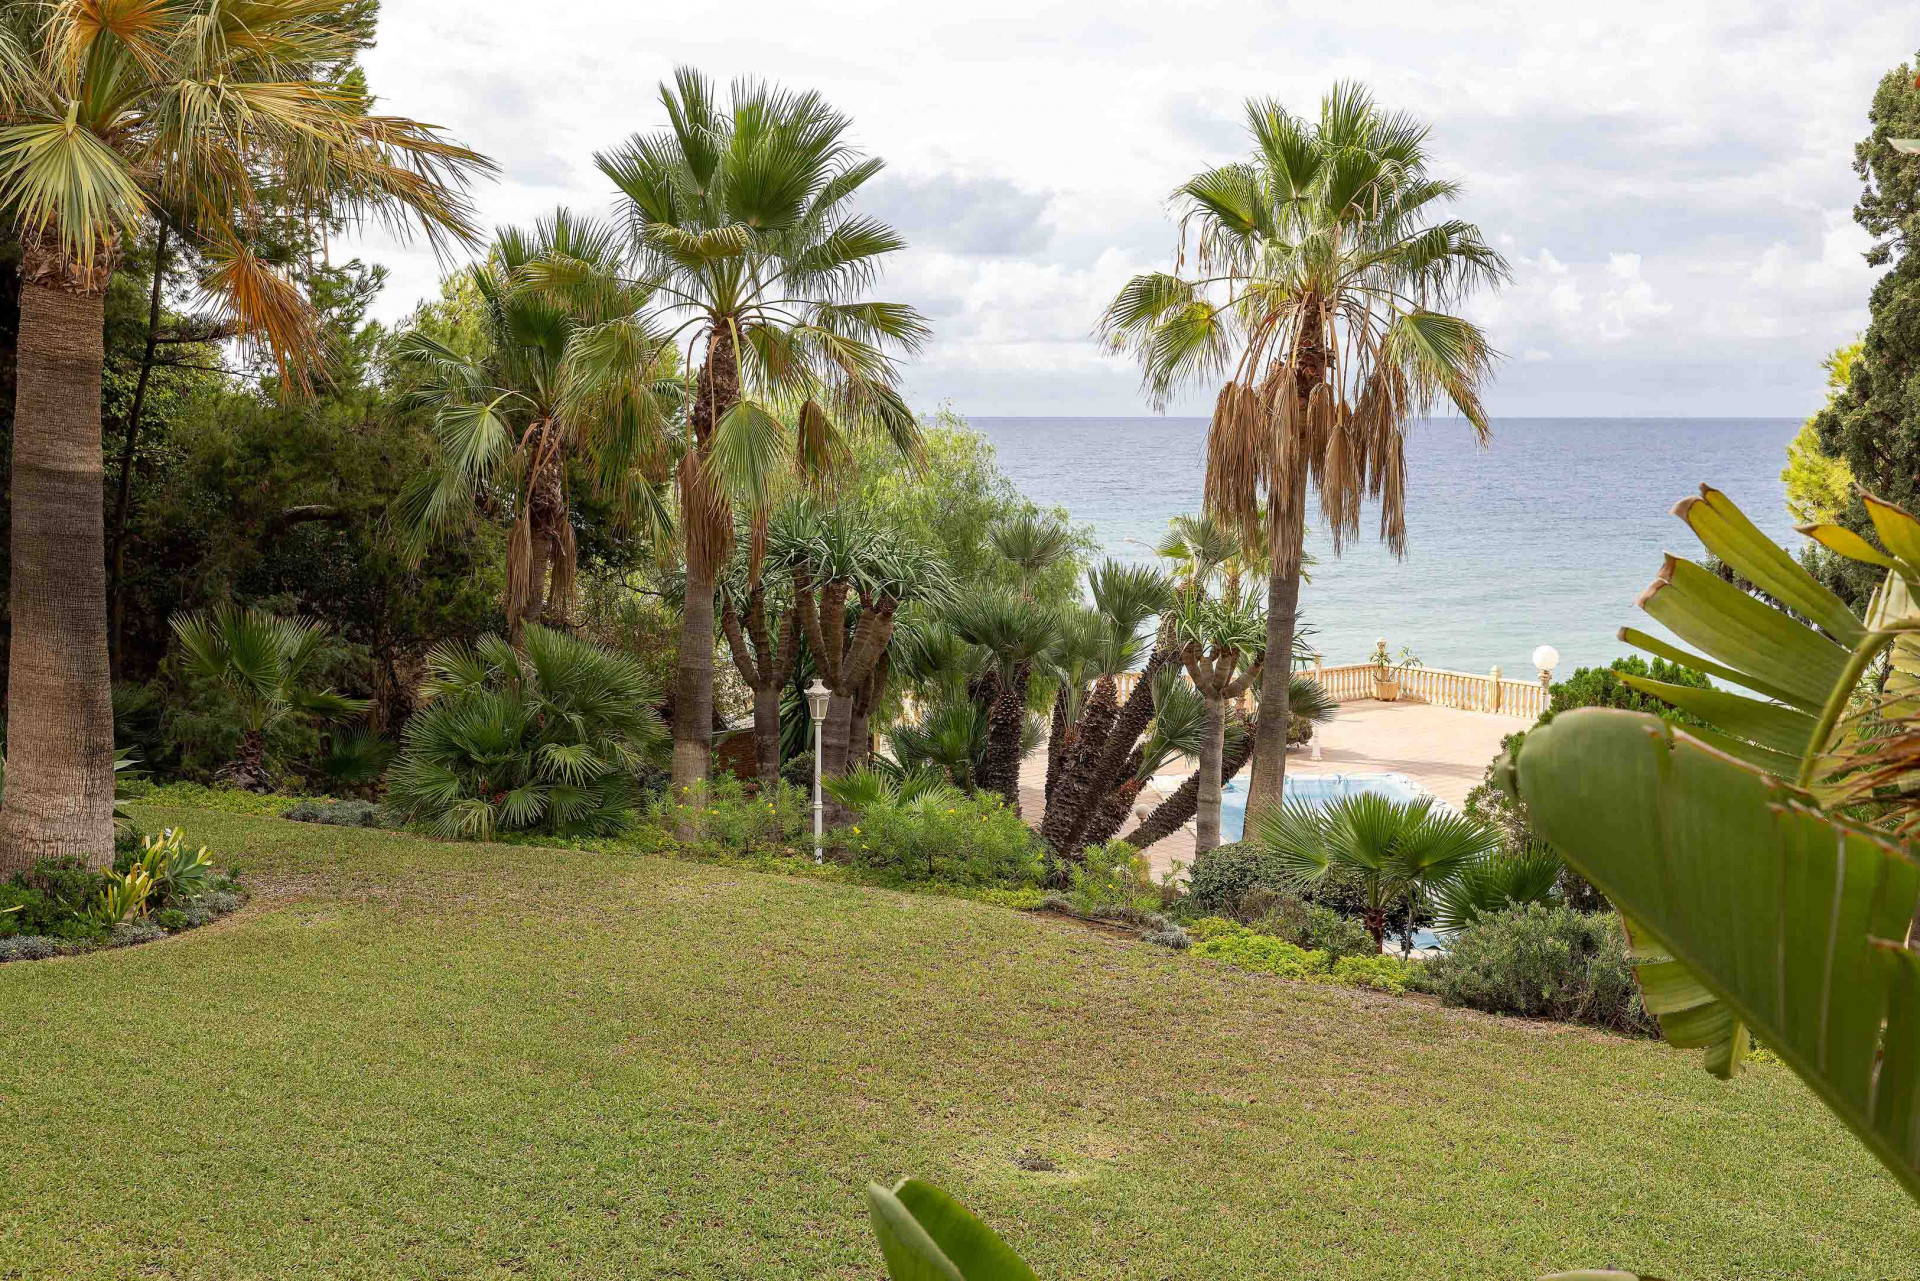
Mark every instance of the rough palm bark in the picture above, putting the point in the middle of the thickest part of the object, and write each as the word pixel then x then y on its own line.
pixel 1061 736
pixel 1006 726
pixel 59 787
pixel 1078 787
pixel 1115 808
pixel 766 666
pixel 705 526
pixel 1178 808
pixel 1110 770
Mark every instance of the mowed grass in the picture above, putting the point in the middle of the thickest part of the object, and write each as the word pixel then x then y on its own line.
pixel 415 1059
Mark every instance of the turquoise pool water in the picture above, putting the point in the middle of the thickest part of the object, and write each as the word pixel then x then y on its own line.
pixel 1314 789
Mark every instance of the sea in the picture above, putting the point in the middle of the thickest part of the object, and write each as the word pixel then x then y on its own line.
pixel 1543 537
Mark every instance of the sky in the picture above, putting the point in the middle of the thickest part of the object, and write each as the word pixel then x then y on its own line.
pixel 1672 183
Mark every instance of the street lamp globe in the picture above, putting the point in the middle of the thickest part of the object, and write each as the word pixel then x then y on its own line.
pixel 817 696
pixel 1546 658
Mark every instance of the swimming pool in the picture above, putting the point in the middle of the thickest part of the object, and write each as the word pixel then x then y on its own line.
pixel 1314 789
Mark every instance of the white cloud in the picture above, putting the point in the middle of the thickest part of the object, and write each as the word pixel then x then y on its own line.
pixel 1668 178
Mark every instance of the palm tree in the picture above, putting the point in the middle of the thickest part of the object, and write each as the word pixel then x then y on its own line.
pixel 1017 635
pixel 1091 753
pixel 1033 544
pixel 1395 850
pixel 263 661
pixel 1324 280
pixel 512 416
pixel 740 220
pixel 210 114
pixel 1223 647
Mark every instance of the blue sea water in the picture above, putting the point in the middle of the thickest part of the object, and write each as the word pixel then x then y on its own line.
pixel 1546 536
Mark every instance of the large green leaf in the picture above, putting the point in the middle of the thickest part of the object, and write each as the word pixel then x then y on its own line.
pixel 1794 921
pixel 926 1235
pixel 1747 635
pixel 1726 532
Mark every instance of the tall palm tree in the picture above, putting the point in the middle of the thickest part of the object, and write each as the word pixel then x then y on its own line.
pixel 213 114
pixel 512 416
pixel 740 218
pixel 1321 304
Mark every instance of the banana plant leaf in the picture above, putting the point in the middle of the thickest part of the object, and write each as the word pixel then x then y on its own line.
pixel 1774 916
pixel 926 1235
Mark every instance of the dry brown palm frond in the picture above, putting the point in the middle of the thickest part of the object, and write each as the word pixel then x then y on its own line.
pixel 707 529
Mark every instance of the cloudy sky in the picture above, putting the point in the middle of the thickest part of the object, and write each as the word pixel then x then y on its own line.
pixel 1672 182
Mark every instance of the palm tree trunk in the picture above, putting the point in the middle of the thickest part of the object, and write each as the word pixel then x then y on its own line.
pixel 706 520
pixel 1269 780
pixel 766 734
pixel 1206 828
pixel 1079 787
pixel 1110 770
pixel 1178 808
pixel 59 794
pixel 836 736
pixel 1006 725
pixel 693 686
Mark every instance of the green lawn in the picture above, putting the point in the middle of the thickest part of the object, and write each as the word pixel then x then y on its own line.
pixel 411 1059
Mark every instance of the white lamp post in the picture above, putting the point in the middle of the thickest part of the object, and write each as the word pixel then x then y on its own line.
pixel 1546 658
pixel 817 696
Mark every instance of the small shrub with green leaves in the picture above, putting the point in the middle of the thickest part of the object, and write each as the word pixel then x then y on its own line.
pixel 1542 962
pixel 1224 875
pixel 60 906
pixel 547 741
pixel 1263 952
pixel 732 817
pixel 943 835
pixel 1227 940
pixel 1113 875
pixel 1307 925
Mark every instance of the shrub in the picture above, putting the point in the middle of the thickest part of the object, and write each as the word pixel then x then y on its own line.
pixel 1542 962
pixel 731 819
pixel 336 813
pixel 797 771
pixel 1224 875
pixel 1309 925
pixel 1252 949
pixel 1113 875
pixel 943 836
pixel 170 918
pixel 66 888
pixel 549 741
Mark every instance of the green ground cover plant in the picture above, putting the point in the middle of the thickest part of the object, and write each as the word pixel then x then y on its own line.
pixel 1224 940
pixel 418 1054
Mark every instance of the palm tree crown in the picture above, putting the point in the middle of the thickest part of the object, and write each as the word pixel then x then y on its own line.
pixel 217 115
pixel 515 414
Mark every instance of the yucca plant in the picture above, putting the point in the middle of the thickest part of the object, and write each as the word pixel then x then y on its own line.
pixel 262 661
pixel 548 740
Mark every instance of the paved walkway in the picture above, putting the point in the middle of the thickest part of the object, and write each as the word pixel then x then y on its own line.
pixel 1445 751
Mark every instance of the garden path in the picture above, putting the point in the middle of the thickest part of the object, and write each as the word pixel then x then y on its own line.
pixel 1444 750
